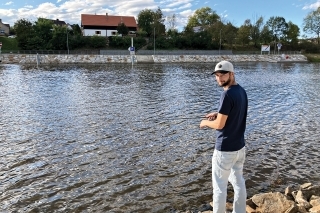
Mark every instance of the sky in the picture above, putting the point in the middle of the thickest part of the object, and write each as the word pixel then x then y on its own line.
pixel 234 11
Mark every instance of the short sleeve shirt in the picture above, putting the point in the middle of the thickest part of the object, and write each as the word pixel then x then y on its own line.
pixel 234 104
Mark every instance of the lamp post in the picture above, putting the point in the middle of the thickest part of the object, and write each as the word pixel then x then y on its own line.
pixel 275 41
pixel 68 27
pixel 154 40
pixel 220 42
pixel 67 42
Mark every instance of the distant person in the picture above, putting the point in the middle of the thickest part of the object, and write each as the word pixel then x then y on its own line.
pixel 229 153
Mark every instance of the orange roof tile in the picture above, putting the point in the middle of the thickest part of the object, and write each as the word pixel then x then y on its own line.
pixel 107 20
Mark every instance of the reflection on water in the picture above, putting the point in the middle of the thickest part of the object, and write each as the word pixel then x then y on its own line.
pixel 123 139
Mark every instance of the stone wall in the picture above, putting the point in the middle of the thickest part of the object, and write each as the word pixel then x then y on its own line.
pixel 102 59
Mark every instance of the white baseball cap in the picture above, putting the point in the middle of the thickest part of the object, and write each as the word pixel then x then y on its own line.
pixel 223 66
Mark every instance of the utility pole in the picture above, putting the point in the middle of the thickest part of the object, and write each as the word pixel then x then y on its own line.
pixel 154 41
pixel 68 27
pixel 220 42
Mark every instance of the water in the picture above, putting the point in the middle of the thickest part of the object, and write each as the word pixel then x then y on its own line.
pixel 117 138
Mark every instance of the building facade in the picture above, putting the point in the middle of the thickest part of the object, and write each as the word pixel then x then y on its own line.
pixel 4 29
pixel 106 25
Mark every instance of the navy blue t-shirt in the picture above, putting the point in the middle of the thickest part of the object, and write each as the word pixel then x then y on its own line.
pixel 234 104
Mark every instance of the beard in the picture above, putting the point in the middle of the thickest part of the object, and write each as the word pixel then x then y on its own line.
pixel 226 83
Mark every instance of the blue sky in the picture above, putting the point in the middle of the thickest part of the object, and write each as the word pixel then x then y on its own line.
pixel 234 11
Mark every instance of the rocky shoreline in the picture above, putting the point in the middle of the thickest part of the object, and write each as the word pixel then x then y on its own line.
pixel 54 59
pixel 295 199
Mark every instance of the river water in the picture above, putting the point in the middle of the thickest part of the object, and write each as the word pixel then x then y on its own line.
pixel 122 138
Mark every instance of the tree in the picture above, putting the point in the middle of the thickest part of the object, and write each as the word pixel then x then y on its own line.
pixel 203 17
pixel 24 30
pixel 59 37
pixel 145 20
pixel 42 34
pixel 244 33
pixel 266 35
pixel 171 22
pixel 76 30
pixel 217 32
pixel 255 31
pixel 152 22
pixel 230 33
pixel 158 23
pixel 122 29
pixel 278 27
pixel 311 23
pixel 292 33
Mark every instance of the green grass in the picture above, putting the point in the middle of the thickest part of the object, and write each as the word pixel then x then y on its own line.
pixel 9 44
pixel 313 57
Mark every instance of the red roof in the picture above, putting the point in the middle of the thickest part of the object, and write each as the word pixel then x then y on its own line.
pixel 107 20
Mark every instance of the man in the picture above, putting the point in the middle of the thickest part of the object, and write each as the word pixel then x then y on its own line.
pixel 229 154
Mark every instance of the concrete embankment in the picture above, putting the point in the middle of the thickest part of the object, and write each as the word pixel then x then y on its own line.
pixel 103 59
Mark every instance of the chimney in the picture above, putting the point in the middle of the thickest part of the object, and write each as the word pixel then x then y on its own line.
pixel 107 15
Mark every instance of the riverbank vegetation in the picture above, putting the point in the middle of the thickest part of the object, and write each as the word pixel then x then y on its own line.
pixel 205 30
pixel 313 57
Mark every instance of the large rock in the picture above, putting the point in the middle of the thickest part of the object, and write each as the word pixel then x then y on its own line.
pixel 311 190
pixel 302 200
pixel 272 202
pixel 315 209
pixel 315 200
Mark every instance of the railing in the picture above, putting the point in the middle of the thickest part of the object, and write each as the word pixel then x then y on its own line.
pixel 266 53
pixel 53 52
pixel 147 52
pixel 184 52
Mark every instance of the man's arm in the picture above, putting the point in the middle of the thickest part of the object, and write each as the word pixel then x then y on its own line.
pixel 218 123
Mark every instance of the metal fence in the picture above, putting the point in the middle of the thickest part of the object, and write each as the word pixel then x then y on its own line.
pixel 266 53
pixel 53 52
pixel 146 52
pixel 184 52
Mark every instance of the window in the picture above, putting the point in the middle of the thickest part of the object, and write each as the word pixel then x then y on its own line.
pixel 113 33
pixel 98 32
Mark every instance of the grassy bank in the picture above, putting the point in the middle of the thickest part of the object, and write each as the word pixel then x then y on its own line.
pixel 9 43
pixel 313 57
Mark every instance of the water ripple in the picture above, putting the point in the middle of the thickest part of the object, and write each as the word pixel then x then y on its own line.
pixel 122 139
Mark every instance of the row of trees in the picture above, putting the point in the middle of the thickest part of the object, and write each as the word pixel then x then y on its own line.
pixel 205 30
pixel 44 35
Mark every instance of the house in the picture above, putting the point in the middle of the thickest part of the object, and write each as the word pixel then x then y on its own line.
pixel 58 22
pixel 106 25
pixel 197 29
pixel 4 28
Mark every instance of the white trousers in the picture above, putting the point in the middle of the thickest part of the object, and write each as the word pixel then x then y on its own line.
pixel 228 166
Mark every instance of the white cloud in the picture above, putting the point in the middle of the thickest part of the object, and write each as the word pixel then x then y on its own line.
pixel 28 6
pixel 70 10
pixel 177 3
pixel 313 6
pixel 9 3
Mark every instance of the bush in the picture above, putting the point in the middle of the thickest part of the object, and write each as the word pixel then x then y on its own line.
pixel 309 47
pixel 125 42
pixel 163 43
pixel 119 42
pixel 97 42
pixel 9 43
